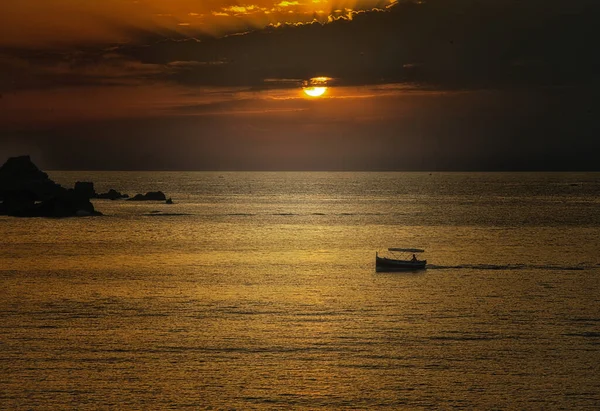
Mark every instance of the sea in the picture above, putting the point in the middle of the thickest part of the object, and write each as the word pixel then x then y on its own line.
pixel 258 291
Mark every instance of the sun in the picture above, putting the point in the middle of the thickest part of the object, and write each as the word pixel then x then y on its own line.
pixel 315 91
pixel 316 86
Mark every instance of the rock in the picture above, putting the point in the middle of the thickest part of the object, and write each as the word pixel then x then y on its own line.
pixel 25 191
pixel 19 174
pixel 85 189
pixel 22 168
pixel 169 201
pixel 18 203
pixel 69 204
pixel 65 205
pixel 112 195
pixel 150 196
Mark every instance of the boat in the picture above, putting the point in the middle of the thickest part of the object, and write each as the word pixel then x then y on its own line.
pixel 401 260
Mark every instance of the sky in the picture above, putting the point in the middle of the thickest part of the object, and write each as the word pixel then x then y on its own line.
pixel 425 85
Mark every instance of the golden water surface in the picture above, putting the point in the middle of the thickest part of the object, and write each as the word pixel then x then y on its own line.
pixel 258 291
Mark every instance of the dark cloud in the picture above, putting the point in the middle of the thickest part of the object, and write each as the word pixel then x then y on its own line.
pixel 510 85
pixel 446 43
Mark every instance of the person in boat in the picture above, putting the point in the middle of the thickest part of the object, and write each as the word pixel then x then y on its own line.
pixel 414 258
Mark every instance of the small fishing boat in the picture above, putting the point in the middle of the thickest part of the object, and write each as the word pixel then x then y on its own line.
pixel 400 260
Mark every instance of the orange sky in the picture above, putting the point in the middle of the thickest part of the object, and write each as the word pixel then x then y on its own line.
pixel 56 22
pixel 446 83
pixel 76 71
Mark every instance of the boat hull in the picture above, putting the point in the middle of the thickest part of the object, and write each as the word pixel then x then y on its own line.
pixel 383 264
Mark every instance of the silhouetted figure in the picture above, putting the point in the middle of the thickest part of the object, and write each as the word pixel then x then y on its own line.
pixel 414 258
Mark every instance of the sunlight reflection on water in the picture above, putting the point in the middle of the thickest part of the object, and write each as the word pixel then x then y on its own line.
pixel 267 297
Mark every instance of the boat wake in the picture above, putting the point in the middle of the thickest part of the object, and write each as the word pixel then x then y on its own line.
pixel 578 267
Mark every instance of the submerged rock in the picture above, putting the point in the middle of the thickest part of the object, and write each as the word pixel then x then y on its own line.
pixel 161 214
pixel 112 195
pixel 150 196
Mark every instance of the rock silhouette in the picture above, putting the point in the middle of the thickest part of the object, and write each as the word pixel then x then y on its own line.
pixel 112 195
pixel 19 174
pixel 26 191
pixel 150 196
pixel 85 189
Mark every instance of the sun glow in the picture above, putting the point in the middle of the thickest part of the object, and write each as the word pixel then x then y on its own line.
pixel 316 86
pixel 315 91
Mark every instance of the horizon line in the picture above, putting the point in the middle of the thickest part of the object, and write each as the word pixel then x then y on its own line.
pixel 330 171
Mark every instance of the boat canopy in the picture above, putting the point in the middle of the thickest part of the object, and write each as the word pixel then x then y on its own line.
pixel 407 250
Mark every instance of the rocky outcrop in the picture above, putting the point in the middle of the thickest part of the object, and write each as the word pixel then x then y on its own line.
pixel 112 195
pixel 66 204
pixel 85 189
pixel 19 175
pixel 69 204
pixel 26 191
pixel 150 196
pixel 18 202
